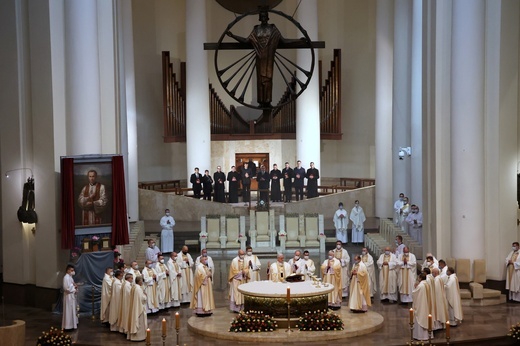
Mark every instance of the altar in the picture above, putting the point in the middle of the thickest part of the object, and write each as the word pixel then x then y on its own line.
pixel 271 297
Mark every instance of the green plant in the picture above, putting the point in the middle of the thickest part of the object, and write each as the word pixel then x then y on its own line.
pixel 320 320
pixel 252 321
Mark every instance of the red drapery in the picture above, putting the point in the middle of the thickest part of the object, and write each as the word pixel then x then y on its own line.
pixel 67 203
pixel 119 214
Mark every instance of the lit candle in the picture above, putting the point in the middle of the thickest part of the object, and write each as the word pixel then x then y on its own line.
pixel 430 322
pixel 447 329
pixel 288 294
pixel 177 321
pixel 411 316
pixel 163 326
pixel 148 336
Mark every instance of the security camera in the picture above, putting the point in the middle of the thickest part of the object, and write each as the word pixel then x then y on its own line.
pixel 401 154
pixel 404 151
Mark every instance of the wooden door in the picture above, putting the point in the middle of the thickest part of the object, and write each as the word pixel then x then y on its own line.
pixel 257 158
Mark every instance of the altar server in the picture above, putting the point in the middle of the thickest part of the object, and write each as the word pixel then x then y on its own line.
pixel 163 284
pixel 358 218
pixel 138 322
pixel 106 294
pixel 342 255
pixel 238 274
pixel 359 300
pixel 202 301
pixel 421 307
pixel 407 275
pixel 69 319
pixel 115 300
pixel 124 311
pixel 369 263
pixel 513 273
pixel 453 297
pixel 297 263
pixel 167 239
pixel 310 267
pixel 387 264
pixel 185 263
pixel 253 264
pixel 331 273
pixel 279 270
pixel 340 220
pixel 150 288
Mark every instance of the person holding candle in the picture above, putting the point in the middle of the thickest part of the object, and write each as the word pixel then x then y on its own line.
pixel 238 274
pixel 387 264
pixel 138 322
pixel 331 274
pixel 407 275
pixel 279 270
pixel 253 263
pixel 359 300
pixel 421 308
pixel 202 301
pixel 453 297
pixel 175 280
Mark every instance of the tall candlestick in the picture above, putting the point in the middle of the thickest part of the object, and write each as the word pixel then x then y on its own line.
pixel 288 294
pixel 163 326
pixel 411 315
pixel 177 321
pixel 148 336
pixel 430 322
pixel 448 329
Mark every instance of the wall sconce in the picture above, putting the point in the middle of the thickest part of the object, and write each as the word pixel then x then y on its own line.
pixel 26 213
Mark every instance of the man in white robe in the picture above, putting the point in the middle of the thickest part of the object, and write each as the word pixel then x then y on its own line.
pixel 124 311
pixel 405 210
pixel 407 275
pixel 69 319
pixel 175 280
pixel 441 303
pixel 415 223
pixel 430 262
pixel 137 321
pixel 310 267
pixel 150 288
pixel 513 273
pixel 358 218
pixel 368 260
pixel 430 280
pixel 399 246
pixel 106 295
pixel 342 255
pixel 359 300
pixel 453 297
pixel 398 205
pixel 340 220
pixel 279 270
pixel 134 270
pixel 167 222
pixel 387 264
pixel 331 273
pixel 238 275
pixel 202 301
pixel 152 252
pixel 185 263
pixel 163 284
pixel 443 270
pixel 421 306
pixel 253 263
pixel 115 300
pixel 209 260
pixel 297 263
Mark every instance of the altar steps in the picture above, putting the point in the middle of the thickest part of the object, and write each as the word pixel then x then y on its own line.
pixel 136 237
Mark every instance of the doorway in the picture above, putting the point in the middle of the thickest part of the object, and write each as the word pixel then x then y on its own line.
pixel 258 159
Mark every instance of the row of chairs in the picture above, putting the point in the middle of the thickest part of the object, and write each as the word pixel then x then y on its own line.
pixel 376 242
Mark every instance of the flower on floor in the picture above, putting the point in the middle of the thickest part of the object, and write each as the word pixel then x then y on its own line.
pixel 54 336
pixel 514 332
pixel 320 320
pixel 252 321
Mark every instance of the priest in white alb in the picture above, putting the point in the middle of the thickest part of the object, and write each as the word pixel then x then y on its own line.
pixel 310 267
pixel 253 263
pixel 387 264
pixel 115 300
pixel 175 280
pixel 238 275
pixel 367 258
pixel 359 298
pixel 340 220
pixel 407 275
pixel 358 218
pixel 137 321
pixel 69 319
pixel 453 297
pixel 167 222
pixel 124 311
pixel 150 288
pixel 279 270
pixel 441 303
pixel 163 283
pixel 106 294
pixel 342 255
pixel 202 301
pixel 513 273
pixel 421 306
pixel 185 262
pixel 331 273
pixel 297 263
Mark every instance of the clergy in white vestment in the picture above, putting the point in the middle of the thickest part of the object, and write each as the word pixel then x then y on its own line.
pixel 209 260
pixel 163 284
pixel 134 270
pixel 399 246
pixel 279 270
pixel 430 262
pixel 124 311
pixel 513 273
pixel 387 264
pixel 238 275
pixel 310 267
pixel 185 263
pixel 368 260
pixel 297 263
pixel 150 288
pixel 421 306
pixel 358 218
pixel 441 303
pixel 342 255
pixel 453 297
pixel 115 300
pixel 407 275
pixel 340 220
pixel 152 252
pixel 415 223
pixel 405 210
pixel 202 301
pixel 175 280
pixel 253 263
pixel 137 321
pixel 167 223
pixel 444 270
pixel 106 294
pixel 359 299
pixel 398 205
pixel 69 319
pixel 331 273
pixel 430 280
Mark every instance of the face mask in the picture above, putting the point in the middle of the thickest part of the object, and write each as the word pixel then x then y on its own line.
pixel 249 253
pixel 405 254
pixel 73 273
pixel 136 267
pixel 357 262
pixel 401 199
pixel 396 242
pixel 514 248
pixel 174 259
pixel 296 258
pixel 150 266
pixel 305 257
pixel 331 257
pixel 205 255
pixel 363 253
pixel 429 263
pixel 387 253
pixel 162 261
pixel 241 257
pixel 152 245
pixel 167 214
pixel 357 204
pixel 338 247
pixel 111 274
pixel 341 207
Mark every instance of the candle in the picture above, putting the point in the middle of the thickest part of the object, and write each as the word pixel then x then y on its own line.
pixel 163 326
pixel 177 321
pixel 447 329
pixel 411 316
pixel 288 294
pixel 430 322
pixel 148 336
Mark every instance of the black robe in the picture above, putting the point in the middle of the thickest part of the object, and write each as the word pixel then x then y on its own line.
pixel 207 182
pixel 246 183
pixel 312 182
pixel 275 176
pixel 233 186
pixel 263 184
pixel 219 179
pixel 196 184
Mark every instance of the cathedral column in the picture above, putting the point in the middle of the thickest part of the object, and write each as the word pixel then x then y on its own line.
pixel 82 78
pixel 383 137
pixel 198 131
pixel 308 104
pixel 467 129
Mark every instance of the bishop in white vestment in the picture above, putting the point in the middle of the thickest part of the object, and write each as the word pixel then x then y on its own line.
pixel 359 300
pixel 342 255
pixel 279 270
pixel 175 280
pixel 407 275
pixel 138 322
pixel 369 263
pixel 421 306
pixel 387 264
pixel 238 274
pixel 453 297
pixel 185 263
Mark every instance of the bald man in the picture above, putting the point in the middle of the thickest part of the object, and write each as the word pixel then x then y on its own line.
pixel 238 274
pixel 279 270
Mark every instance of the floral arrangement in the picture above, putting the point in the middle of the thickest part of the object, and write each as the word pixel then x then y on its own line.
pixel 252 321
pixel 54 337
pixel 74 254
pixel 95 239
pixel 514 332
pixel 320 320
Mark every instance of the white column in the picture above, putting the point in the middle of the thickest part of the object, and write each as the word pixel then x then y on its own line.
pixel 308 104
pixel 383 137
pixel 82 78
pixel 198 131
pixel 401 122
pixel 467 129
pixel 416 137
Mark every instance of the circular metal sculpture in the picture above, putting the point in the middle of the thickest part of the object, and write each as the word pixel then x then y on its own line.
pixel 263 59
pixel 244 6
